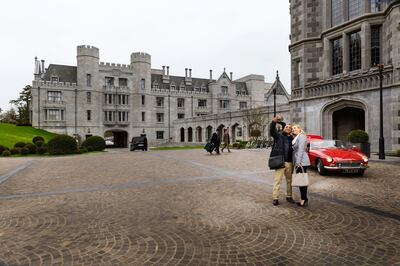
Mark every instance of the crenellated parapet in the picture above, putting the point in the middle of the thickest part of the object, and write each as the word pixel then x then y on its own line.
pixel 114 65
pixel 88 50
pixel 140 57
pixel 42 83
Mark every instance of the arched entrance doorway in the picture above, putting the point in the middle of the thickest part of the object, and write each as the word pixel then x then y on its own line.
pixel 182 134
pixel 209 132
pixel 233 133
pixel 199 134
pixel 190 134
pixel 118 138
pixel 221 131
pixel 340 117
pixel 346 120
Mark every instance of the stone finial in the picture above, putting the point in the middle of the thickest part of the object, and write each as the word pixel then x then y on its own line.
pixel 277 74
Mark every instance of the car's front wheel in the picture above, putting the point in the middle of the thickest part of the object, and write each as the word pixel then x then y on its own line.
pixel 320 167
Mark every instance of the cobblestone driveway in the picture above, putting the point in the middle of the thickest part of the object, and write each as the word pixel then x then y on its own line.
pixel 189 208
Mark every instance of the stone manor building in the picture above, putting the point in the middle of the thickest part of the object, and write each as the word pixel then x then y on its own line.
pixel 335 48
pixel 95 98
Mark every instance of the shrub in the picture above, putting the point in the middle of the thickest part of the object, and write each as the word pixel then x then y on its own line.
pixel 6 153
pixel 358 136
pixel 62 144
pixel 255 133
pixel 97 143
pixel 31 147
pixel 2 148
pixel 39 143
pixel 19 144
pixel 83 150
pixel 41 150
pixel 398 153
pixel 24 151
pixel 15 151
pixel 90 149
pixel 37 138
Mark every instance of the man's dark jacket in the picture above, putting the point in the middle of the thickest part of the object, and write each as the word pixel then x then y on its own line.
pixel 282 142
pixel 215 139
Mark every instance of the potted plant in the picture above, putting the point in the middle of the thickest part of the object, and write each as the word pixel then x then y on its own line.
pixel 360 138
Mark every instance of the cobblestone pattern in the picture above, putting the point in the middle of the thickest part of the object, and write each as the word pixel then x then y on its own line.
pixel 184 213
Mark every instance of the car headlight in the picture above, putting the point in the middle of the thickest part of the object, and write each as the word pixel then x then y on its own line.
pixel 365 159
pixel 329 159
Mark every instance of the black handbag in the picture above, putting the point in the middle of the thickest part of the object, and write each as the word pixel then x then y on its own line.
pixel 276 162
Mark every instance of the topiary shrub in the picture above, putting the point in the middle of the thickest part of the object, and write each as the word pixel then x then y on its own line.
pixel 358 136
pixel 37 138
pixel 31 147
pixel 62 144
pixel 39 143
pixel 3 148
pixel 15 151
pixel 97 143
pixel 6 153
pixel 19 144
pixel 41 150
pixel 24 151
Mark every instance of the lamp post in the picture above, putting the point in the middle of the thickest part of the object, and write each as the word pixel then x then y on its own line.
pixel 381 139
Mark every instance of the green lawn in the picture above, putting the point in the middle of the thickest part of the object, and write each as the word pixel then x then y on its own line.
pixel 11 134
pixel 177 148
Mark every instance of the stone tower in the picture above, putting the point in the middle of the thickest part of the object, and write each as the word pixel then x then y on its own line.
pixel 141 66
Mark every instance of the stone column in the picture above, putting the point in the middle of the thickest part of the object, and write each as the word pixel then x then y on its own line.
pixel 365 46
pixel 346 52
pixel 327 59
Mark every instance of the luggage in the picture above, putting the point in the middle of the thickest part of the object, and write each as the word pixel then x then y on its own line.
pixel 209 147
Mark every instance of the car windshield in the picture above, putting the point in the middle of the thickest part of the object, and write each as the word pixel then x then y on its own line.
pixel 326 144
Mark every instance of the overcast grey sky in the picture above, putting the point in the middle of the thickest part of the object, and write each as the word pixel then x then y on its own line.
pixel 246 37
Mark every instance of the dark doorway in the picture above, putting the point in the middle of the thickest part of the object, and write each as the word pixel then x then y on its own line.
pixel 190 134
pixel 182 134
pixel 119 138
pixel 346 120
pixel 199 131
pixel 209 132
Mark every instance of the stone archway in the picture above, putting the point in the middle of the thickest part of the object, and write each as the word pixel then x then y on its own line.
pixel 209 131
pixel 119 137
pixel 342 116
pixel 234 132
pixel 182 134
pixel 221 130
pixel 199 134
pixel 190 134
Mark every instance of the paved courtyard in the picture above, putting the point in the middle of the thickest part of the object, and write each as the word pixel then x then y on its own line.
pixel 190 208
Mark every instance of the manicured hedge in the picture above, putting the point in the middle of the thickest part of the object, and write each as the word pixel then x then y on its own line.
pixel 19 144
pixel 358 136
pixel 31 147
pixel 97 143
pixel 62 144
pixel 6 153
pixel 37 138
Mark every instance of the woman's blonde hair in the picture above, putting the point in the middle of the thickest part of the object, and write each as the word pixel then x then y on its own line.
pixel 299 127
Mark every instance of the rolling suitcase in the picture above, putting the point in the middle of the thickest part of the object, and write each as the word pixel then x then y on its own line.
pixel 209 147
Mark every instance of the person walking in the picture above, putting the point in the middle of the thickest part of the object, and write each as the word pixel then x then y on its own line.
pixel 300 159
pixel 216 140
pixel 282 146
pixel 227 140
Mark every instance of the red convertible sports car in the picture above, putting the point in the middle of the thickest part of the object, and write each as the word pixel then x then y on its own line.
pixel 334 156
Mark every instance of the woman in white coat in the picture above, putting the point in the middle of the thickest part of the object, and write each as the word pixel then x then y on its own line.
pixel 300 159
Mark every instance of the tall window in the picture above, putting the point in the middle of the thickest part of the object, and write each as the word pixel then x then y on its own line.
pixel 337 12
pixel 354 8
pixel 242 105
pixel 355 51
pixel 297 73
pixel 181 102
pixel 160 117
pixel 109 81
pixel 89 115
pixel 54 96
pixel 143 100
pixel 337 56
pixel 88 80
pixel 376 6
pixel 88 97
pixel 375 45
pixel 143 84
pixel 202 103
pixel 143 116
pixel 224 90
pixel 160 134
pixel 224 104
pixel 160 101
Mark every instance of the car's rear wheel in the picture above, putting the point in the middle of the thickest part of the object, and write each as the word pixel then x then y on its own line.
pixel 320 167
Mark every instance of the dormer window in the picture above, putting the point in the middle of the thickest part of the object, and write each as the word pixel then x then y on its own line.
pixel 173 87
pixel 54 79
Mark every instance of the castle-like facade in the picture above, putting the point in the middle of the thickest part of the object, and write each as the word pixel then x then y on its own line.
pixel 93 98
pixel 335 48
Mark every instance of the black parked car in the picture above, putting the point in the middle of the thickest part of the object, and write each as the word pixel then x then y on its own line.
pixel 139 143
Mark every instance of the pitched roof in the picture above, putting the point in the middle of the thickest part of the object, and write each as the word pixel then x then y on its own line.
pixel 64 73
pixel 178 81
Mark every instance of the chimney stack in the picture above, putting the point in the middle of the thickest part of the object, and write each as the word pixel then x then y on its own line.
pixel 163 70
pixel 190 73
pixel 231 76
pixel 210 74
pixel 42 72
pixel 167 70
pixel 186 74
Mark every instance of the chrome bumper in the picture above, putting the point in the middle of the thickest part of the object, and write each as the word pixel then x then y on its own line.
pixel 361 167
